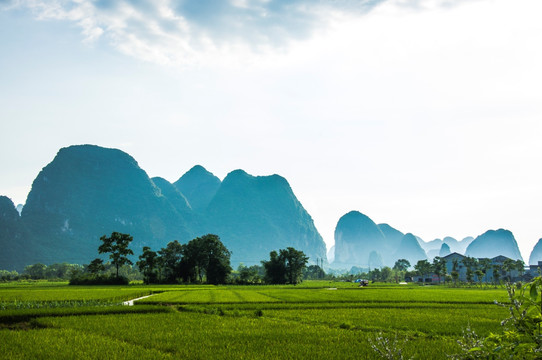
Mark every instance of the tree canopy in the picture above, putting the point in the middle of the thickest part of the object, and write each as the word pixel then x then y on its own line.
pixel 203 259
pixel 147 265
pixel 401 265
pixel 207 257
pixel 117 244
pixel 286 266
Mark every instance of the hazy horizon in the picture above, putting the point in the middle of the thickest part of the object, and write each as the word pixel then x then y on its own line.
pixel 420 114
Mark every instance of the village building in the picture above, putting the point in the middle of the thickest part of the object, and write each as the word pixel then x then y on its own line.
pixel 535 270
pixel 496 266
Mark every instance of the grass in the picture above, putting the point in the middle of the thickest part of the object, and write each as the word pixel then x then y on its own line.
pixel 245 322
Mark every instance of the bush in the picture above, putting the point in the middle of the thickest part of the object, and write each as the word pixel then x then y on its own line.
pixel 522 338
pixel 89 279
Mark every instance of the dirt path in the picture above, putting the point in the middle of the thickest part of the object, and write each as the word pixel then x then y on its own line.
pixel 131 302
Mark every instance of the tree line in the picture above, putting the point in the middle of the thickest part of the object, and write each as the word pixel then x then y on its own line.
pixel 478 270
pixel 204 259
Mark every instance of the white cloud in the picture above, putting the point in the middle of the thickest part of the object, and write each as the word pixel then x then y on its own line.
pixel 183 32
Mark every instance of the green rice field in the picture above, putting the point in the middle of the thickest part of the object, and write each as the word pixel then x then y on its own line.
pixel 317 320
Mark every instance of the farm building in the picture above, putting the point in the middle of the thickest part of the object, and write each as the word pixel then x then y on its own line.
pixel 500 266
pixel 535 270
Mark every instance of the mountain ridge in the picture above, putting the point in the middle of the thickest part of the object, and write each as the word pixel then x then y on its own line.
pixel 87 191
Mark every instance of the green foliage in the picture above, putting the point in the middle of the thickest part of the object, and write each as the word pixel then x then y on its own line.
pixel 314 272
pixel 96 266
pixel 8 275
pixel 250 275
pixel 286 267
pixel 296 262
pixel 275 269
pixel 496 273
pixel 423 268
pixel 148 264
pixel 485 265
pixel 207 256
pixel 439 267
pixel 169 262
pixel 36 271
pixel 455 276
pixel 203 259
pixel 117 245
pixel 522 334
pixel 479 275
pixel 386 274
pixel 401 265
pixel 91 279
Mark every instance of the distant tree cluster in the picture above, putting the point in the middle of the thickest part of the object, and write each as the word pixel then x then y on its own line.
pixel 248 275
pixel 285 267
pixel 314 272
pixel 6 275
pixel 206 259
pixel 203 259
pixel 117 245
pixel 52 272
pixel 380 274
pixel 41 271
pixel 65 271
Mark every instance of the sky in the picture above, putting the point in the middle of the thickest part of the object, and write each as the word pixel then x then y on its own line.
pixel 423 114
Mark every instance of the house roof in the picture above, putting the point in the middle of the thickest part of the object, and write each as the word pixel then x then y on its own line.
pixel 500 258
pixel 454 254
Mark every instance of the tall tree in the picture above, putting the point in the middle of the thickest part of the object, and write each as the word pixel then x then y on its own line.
pixel 485 265
pixel 455 272
pixel 147 264
pixel 375 275
pixel 36 271
pixel 296 261
pixel 250 275
pixel 117 244
pixel 275 269
pixel 471 264
pixel 96 266
pixel 480 276
pixel 496 273
pixel 207 257
pixel 217 258
pixel 509 265
pixel 386 274
pixel 286 266
pixel 423 267
pixel 401 265
pixel 439 267
pixel 314 272
pixel 169 262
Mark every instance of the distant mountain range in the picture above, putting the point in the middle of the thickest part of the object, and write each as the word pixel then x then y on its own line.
pixel 359 241
pixel 89 191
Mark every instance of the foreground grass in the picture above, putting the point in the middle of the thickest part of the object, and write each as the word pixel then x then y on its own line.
pixel 246 322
